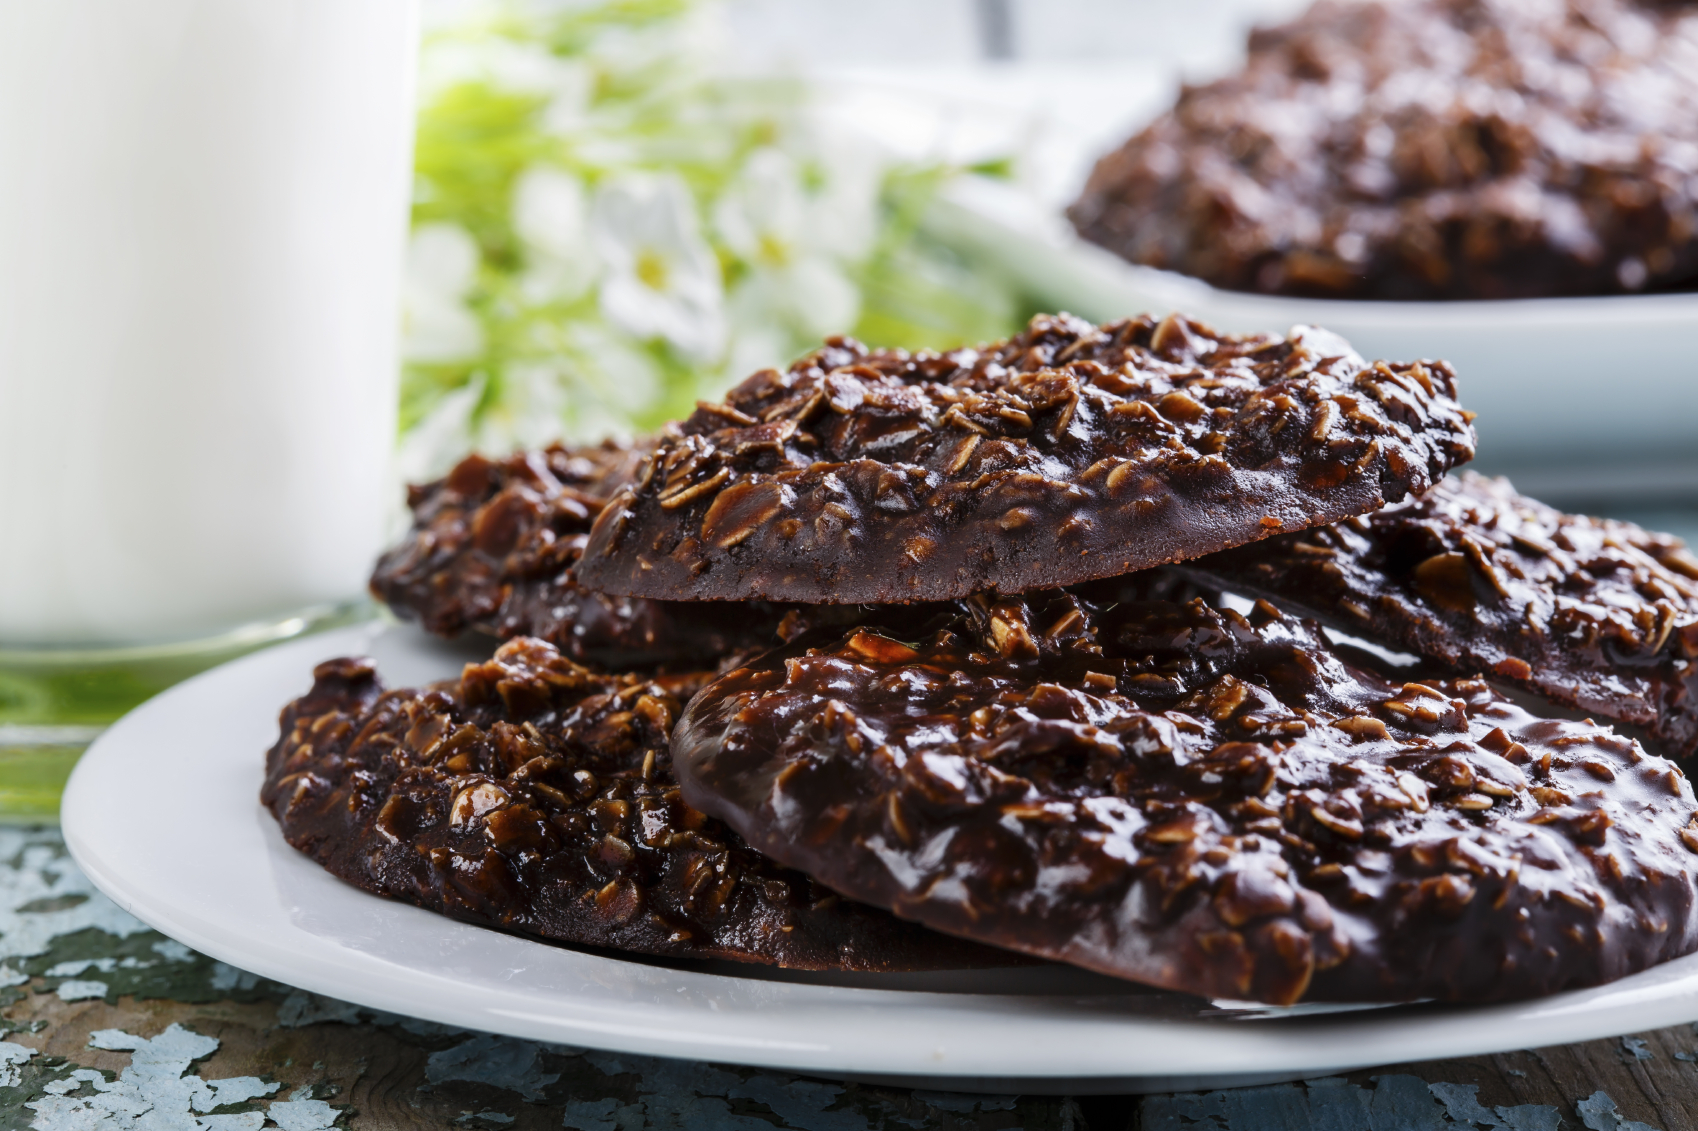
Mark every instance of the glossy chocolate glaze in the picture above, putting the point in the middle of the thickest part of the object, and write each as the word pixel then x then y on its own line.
pixel 536 796
pixel 1068 453
pixel 494 548
pixel 1428 149
pixel 1204 802
pixel 1595 613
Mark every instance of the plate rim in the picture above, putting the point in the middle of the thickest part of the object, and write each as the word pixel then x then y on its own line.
pixel 974 206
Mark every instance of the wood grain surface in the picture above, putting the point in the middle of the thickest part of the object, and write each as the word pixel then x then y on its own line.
pixel 162 1033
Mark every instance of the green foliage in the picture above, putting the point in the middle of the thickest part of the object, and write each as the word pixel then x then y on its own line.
pixel 917 293
pixel 558 286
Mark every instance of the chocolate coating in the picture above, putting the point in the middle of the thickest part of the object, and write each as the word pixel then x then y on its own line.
pixel 1593 612
pixel 1429 149
pixel 1203 802
pixel 1067 453
pixel 535 796
pixel 494 548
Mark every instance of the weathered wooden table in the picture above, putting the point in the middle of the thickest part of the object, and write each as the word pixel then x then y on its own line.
pixel 108 1026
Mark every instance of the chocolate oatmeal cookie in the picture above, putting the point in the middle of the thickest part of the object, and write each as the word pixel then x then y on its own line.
pixel 1067 453
pixel 536 796
pixel 494 548
pixel 1432 149
pixel 1204 802
pixel 1593 612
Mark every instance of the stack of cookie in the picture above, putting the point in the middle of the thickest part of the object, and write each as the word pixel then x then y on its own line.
pixel 896 662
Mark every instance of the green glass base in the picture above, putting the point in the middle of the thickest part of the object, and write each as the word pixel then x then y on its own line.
pixel 33 771
pixel 53 703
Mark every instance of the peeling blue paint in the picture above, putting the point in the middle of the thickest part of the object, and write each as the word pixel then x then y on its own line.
pixel 1530 1117
pixel 1396 1103
pixel 504 1062
pixel 674 1093
pixel 44 898
pixel 965 1102
pixel 1636 1048
pixel 60 900
pixel 173 951
pixel 157 1092
pixel 81 991
pixel 1461 1102
pixel 300 1009
pixel 1463 1107
pixel 1405 1103
pixel 74 1082
pixel 600 1115
pixel 302 1115
pixel 13 1054
pixel 226 977
pixel 75 966
pixel 1335 1104
pixel 807 1103
pixel 1598 1113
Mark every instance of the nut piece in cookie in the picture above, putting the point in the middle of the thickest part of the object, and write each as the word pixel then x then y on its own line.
pixel 1068 453
pixel 1204 802
pixel 1482 151
pixel 494 547
pixel 536 796
pixel 1595 613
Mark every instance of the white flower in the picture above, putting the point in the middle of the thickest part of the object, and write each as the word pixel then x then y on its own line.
pixel 529 412
pixel 662 278
pixel 767 218
pixel 549 216
pixel 600 380
pixel 811 298
pixel 755 346
pixel 762 215
pixel 442 266
pixel 437 442
pixel 842 172
pixel 524 68
pixel 613 381
pixel 570 91
pixel 664 55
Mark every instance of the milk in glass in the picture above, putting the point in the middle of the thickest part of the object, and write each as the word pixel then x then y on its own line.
pixel 202 211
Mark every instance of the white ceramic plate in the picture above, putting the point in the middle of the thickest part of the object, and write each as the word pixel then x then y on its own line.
pixel 1610 381
pixel 162 814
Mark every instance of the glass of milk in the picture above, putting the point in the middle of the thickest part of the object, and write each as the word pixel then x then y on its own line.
pixel 202 213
